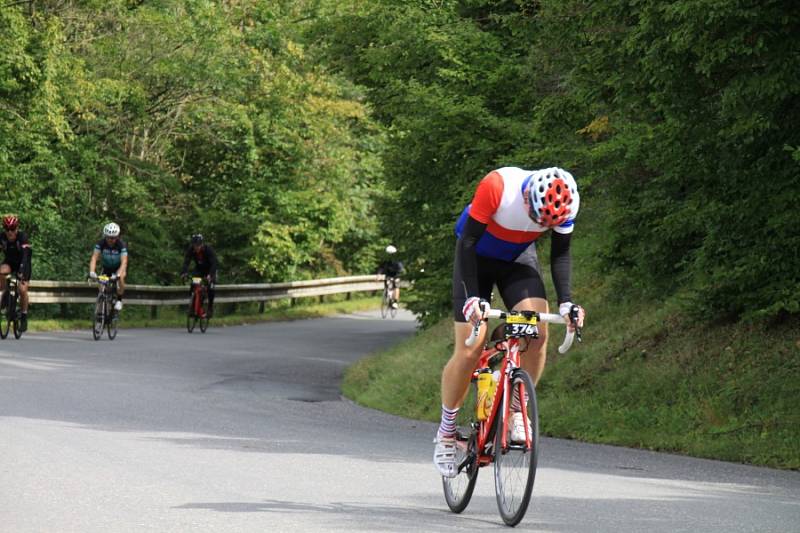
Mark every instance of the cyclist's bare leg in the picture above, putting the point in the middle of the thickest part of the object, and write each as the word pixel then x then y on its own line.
pixel 457 372
pixel 5 270
pixel 535 354
pixel 121 286
pixel 23 296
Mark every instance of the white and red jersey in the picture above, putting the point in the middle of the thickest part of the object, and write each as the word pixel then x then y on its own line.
pixel 499 202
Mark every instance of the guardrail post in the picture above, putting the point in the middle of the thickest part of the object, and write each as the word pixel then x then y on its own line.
pixel 261 306
pixel 349 296
pixel 321 298
pixel 153 312
pixel 63 310
pixel 292 301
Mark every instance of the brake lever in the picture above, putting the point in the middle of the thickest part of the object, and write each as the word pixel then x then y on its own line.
pixel 573 317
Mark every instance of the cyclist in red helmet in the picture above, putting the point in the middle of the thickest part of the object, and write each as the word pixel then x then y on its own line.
pixel 496 234
pixel 16 260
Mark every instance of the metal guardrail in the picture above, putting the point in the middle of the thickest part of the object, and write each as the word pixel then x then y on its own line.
pixel 49 292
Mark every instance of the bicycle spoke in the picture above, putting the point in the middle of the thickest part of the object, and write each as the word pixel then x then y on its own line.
pixel 515 466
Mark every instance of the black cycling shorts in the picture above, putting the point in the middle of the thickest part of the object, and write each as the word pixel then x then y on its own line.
pixel 16 268
pixel 109 271
pixel 516 280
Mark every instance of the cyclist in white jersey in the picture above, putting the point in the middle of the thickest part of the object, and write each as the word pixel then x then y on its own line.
pixel 497 233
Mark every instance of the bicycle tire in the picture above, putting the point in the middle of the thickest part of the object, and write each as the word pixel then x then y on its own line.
pixel 191 317
pixel 12 314
pixel 112 324
pixel 204 320
pixel 385 304
pixel 458 490
pixel 516 462
pixel 99 317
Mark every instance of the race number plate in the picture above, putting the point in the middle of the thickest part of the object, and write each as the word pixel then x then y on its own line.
pixel 521 326
pixel 196 280
pixel 102 278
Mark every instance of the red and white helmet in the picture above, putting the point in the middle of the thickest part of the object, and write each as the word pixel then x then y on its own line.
pixel 552 196
pixel 10 222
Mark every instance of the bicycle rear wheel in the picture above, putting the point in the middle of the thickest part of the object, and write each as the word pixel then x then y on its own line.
pixel 385 302
pixel 458 490
pixel 515 464
pixel 99 317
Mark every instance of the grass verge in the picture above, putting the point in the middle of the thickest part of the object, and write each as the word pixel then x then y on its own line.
pixel 728 392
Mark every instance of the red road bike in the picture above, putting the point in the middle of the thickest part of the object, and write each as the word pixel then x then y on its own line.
pixel 198 306
pixel 488 437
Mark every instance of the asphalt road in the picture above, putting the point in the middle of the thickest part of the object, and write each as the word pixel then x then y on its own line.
pixel 243 429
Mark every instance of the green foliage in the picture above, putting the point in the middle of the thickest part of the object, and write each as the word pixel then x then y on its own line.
pixel 677 115
pixel 177 117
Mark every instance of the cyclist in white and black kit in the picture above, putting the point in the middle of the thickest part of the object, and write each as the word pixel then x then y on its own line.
pixel 113 253
pixel 391 268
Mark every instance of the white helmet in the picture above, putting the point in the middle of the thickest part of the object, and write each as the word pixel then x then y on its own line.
pixel 111 230
pixel 552 197
pixel 391 249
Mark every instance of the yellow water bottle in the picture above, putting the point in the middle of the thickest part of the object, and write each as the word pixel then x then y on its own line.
pixel 492 389
pixel 483 399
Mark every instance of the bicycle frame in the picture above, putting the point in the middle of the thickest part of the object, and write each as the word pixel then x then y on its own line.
pixel 501 398
pixel 198 288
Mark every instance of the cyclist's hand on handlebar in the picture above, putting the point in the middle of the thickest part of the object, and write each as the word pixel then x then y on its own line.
pixel 92 275
pixel 564 310
pixel 475 310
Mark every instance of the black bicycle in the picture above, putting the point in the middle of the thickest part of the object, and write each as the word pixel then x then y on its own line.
pixel 105 316
pixel 388 303
pixel 10 318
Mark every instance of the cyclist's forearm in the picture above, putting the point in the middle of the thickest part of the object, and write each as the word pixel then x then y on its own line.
pixel 561 266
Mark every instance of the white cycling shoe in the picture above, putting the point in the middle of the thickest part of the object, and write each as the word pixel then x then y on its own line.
pixel 444 456
pixel 518 429
pixel 118 305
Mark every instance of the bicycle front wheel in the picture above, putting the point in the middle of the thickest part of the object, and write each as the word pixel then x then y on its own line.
pixel 204 318
pixel 458 490
pixel 99 318
pixel 515 463
pixel 112 323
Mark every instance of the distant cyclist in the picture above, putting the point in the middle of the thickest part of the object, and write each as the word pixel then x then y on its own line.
pixel 496 234
pixel 391 268
pixel 205 261
pixel 114 257
pixel 17 259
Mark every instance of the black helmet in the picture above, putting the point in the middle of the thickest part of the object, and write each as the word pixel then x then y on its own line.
pixel 197 239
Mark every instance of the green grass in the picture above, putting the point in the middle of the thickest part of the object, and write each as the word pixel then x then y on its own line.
pixel 169 317
pixel 730 392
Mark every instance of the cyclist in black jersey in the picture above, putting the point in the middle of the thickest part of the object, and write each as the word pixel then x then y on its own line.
pixel 391 269
pixel 205 261
pixel 17 259
pixel 114 257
